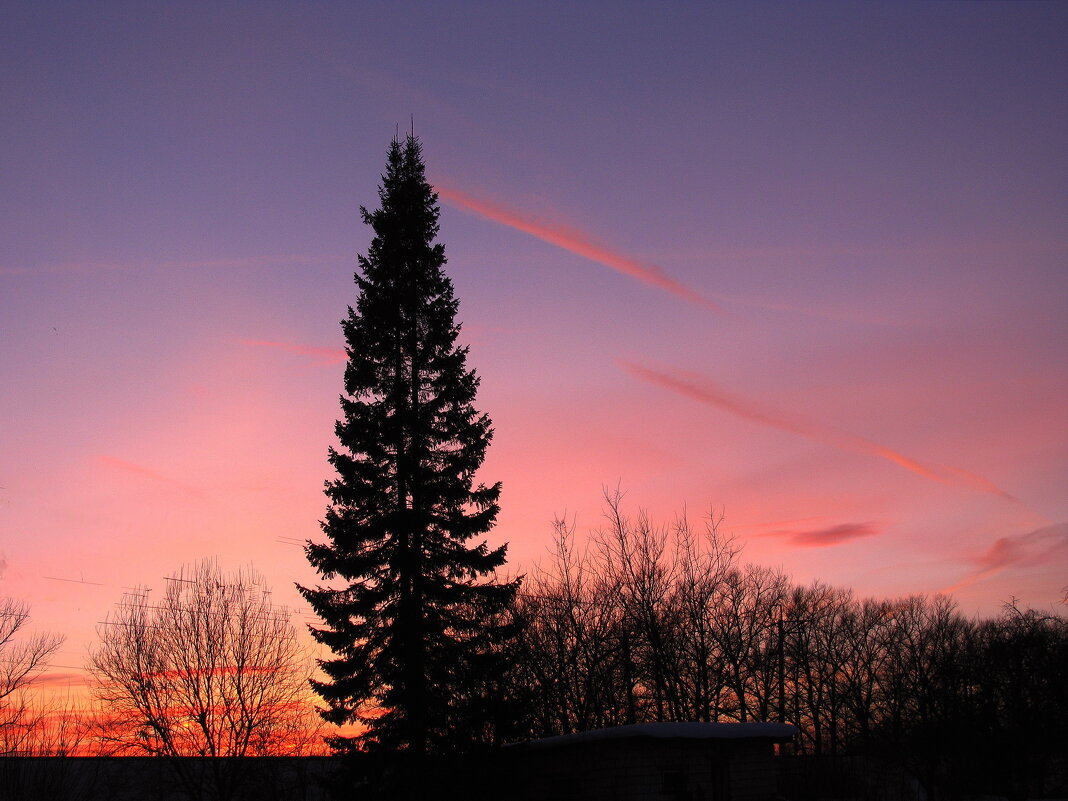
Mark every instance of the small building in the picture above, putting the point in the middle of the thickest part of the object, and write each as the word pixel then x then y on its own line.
pixel 652 762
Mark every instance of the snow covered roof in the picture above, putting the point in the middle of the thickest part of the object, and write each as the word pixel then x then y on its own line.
pixel 690 731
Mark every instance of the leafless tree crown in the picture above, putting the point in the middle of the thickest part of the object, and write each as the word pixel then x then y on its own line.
pixel 22 658
pixel 211 668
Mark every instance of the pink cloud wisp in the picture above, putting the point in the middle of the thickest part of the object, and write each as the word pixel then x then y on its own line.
pixel 704 391
pixel 576 242
pixel 1041 545
pixel 144 472
pixel 825 537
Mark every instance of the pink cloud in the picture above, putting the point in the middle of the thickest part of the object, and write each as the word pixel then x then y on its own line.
pixel 144 472
pixel 577 242
pixel 585 245
pixel 1043 545
pixel 59 680
pixel 824 537
pixel 780 524
pixel 835 535
pixel 222 670
pixel 704 391
pixel 322 356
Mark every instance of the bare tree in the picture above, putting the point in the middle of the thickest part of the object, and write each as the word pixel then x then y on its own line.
pixel 620 630
pixel 571 643
pixel 211 669
pixel 22 658
pixel 702 563
pixel 635 554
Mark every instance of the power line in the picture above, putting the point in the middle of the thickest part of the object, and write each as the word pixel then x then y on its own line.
pixel 74 581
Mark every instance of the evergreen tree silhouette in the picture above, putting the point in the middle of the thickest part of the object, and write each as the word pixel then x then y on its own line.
pixel 413 611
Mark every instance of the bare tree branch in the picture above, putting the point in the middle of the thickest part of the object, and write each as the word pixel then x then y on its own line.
pixel 211 669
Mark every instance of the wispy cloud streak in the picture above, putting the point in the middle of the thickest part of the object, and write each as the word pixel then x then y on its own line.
pixel 54 679
pixel 1046 544
pixel 585 245
pixel 322 356
pixel 704 391
pixel 144 472
pixel 577 242
pixel 825 537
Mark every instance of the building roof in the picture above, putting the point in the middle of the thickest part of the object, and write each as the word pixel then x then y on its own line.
pixel 776 732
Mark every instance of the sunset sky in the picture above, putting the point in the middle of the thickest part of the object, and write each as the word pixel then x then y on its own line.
pixel 802 264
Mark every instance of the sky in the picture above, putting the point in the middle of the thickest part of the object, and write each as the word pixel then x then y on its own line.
pixel 804 266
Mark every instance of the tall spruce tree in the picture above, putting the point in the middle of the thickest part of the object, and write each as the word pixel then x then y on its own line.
pixel 419 628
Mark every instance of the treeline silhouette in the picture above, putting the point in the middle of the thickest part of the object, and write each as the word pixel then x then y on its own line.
pixel 638 623
pixel 646 623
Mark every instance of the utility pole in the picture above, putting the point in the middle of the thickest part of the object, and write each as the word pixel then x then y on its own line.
pixel 782 669
pixel 782 623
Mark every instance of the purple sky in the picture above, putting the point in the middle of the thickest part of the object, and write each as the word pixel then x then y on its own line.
pixel 802 263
